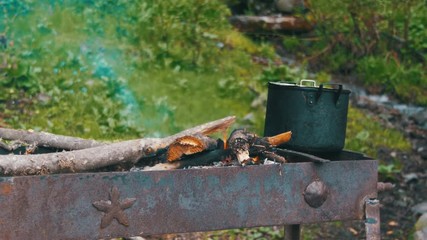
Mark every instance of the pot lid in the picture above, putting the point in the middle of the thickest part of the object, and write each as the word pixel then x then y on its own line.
pixel 308 84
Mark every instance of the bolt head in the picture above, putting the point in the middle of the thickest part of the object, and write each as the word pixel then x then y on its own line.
pixel 315 194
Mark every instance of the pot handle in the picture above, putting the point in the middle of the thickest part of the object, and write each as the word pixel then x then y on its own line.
pixel 337 94
pixel 302 81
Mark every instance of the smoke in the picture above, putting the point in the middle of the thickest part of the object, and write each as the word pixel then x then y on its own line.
pixel 104 62
pixel 85 30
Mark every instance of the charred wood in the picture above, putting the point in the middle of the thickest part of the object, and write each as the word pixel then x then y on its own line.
pixel 201 159
pixel 189 145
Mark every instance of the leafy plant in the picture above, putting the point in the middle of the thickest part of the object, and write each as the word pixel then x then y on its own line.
pixel 388 171
pixel 116 62
pixel 365 134
pixel 408 82
pixel 369 39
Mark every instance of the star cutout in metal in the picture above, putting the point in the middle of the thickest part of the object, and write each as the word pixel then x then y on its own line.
pixel 114 209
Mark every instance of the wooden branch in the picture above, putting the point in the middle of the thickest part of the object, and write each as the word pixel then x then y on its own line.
pixel 12 146
pixel 78 160
pixel 72 143
pixel 210 127
pixel 189 145
pixel 8 147
pixel 96 157
pixel 206 129
pixel 239 142
pixel 274 157
pixel 248 148
pixel 279 139
pixel 48 140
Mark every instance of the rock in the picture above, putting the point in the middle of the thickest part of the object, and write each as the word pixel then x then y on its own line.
pixel 268 24
pixel 420 208
pixel 410 177
pixel 421 228
pixel 423 152
pixel 420 146
pixel 420 235
pixel 420 118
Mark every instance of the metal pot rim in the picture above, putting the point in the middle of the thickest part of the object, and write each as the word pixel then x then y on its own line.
pixel 294 86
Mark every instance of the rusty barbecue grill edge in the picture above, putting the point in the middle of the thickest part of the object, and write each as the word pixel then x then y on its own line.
pixel 124 204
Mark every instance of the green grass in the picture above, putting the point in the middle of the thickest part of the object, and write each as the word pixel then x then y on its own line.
pixel 125 73
pixel 367 135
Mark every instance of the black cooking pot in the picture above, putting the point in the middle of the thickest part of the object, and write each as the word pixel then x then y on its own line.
pixel 316 115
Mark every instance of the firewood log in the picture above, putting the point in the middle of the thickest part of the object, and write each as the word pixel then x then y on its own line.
pixel 89 157
pixel 239 142
pixel 279 139
pixel 189 145
pixel 246 145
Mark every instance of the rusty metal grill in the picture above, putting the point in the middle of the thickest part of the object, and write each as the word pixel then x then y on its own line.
pixel 125 204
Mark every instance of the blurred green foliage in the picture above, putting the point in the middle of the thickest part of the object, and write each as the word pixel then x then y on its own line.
pixel 407 81
pixel 381 42
pixel 367 135
pixel 120 69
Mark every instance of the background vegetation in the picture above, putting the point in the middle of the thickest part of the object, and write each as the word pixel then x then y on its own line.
pixel 125 69
pixel 382 43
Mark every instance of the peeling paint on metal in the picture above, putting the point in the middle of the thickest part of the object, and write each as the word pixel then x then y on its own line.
pixel 371 221
pixel 6 188
pixel 180 200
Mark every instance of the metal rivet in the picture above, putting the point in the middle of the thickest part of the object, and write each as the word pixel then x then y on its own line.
pixel 315 194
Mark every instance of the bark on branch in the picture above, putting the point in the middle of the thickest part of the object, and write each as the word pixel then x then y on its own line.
pixel 100 156
pixel 48 139
pixel 73 143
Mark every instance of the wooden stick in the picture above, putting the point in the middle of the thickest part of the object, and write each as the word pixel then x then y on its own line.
pixel 45 139
pixel 72 143
pixel 189 145
pixel 240 142
pixel 8 147
pixel 279 139
pixel 91 158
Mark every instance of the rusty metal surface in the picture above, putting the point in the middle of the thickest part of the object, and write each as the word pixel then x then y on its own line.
pixel 316 193
pixel 372 221
pixel 102 205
